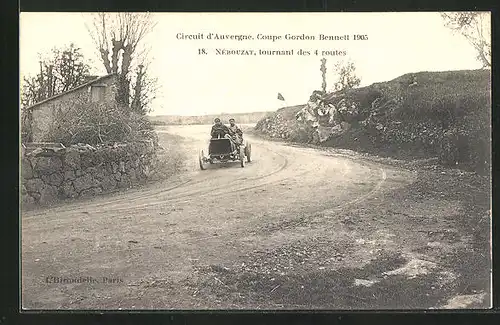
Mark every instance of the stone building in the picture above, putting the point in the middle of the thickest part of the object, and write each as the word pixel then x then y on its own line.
pixel 100 89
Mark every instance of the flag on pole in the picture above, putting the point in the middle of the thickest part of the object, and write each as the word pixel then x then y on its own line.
pixel 280 97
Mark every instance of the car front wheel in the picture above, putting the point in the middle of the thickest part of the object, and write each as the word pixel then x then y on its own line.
pixel 242 157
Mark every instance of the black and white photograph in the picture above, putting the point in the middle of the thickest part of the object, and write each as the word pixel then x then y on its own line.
pixel 255 161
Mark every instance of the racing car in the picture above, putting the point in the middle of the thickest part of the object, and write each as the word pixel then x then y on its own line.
pixel 223 150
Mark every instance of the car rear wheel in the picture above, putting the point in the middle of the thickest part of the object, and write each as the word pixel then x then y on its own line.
pixel 248 149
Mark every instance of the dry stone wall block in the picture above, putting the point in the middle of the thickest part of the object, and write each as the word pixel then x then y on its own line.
pixel 87 159
pixel 48 164
pixel 68 190
pixel 93 191
pixel 132 175
pixel 23 189
pixel 146 170
pixel 96 172
pixel 34 185
pixel 108 169
pixel 124 182
pixel 108 183
pixel 27 200
pixel 49 194
pixel 84 182
pixel 54 179
pixel 100 173
pixel 72 159
pixel 26 169
pixel 69 175
pixel 35 195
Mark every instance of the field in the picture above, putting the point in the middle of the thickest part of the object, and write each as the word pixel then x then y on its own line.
pixel 241 118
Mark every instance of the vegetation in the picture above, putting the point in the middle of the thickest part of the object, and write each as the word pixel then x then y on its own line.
pixel 63 69
pixel 119 39
pixel 476 28
pixel 346 76
pixel 95 123
pixel 420 115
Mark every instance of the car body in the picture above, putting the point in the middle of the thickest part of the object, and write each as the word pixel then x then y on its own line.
pixel 222 150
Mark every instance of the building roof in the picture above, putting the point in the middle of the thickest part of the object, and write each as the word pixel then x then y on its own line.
pixel 89 83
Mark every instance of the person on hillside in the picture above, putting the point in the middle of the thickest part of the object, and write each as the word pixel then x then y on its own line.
pixel 235 132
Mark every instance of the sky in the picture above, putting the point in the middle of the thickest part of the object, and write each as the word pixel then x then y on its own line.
pixel 194 84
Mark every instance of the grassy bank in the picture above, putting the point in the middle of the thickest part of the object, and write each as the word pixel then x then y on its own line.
pixel 415 116
pixel 170 157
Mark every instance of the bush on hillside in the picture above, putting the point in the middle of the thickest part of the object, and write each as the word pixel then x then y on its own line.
pixel 445 114
pixel 95 123
pixel 425 114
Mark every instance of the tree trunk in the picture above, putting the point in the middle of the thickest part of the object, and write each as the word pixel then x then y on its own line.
pixel 123 92
pixel 42 90
pixel 105 60
pixel 137 103
pixel 117 46
pixel 323 74
pixel 126 59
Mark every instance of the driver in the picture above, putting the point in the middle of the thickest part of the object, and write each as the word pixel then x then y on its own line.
pixel 235 132
pixel 219 129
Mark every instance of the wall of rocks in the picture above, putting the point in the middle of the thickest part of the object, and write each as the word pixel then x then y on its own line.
pixel 49 175
pixel 274 126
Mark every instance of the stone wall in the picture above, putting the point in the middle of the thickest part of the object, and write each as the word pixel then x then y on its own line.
pixel 83 171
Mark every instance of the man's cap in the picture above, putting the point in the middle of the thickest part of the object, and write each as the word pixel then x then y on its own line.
pixel 217 120
pixel 231 119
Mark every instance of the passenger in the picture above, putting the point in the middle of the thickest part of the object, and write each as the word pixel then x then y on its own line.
pixel 235 132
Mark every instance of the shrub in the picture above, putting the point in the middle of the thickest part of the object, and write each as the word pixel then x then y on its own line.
pixel 425 114
pixel 95 123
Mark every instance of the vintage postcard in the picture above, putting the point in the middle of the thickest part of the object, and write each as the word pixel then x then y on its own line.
pixel 255 161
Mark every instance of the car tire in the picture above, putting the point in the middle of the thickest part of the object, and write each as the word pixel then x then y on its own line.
pixel 248 149
pixel 242 156
pixel 200 159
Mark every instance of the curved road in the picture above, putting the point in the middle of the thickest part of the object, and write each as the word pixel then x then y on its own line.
pixel 218 238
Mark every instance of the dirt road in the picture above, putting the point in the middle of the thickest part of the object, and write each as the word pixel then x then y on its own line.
pixel 296 228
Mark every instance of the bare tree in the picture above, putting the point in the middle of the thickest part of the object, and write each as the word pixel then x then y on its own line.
pixel 118 38
pixel 476 28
